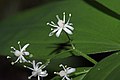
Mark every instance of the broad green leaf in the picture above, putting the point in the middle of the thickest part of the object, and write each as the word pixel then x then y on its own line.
pixel 94 30
pixel 107 69
pixel 114 5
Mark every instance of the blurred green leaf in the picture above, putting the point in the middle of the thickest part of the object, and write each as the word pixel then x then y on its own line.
pixel 107 69
pixel 94 31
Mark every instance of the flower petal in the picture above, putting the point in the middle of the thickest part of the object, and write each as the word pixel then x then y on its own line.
pixel 70 70
pixel 33 63
pixel 67 30
pixel 26 53
pixel 59 31
pixel 43 73
pixel 55 30
pixel 67 78
pixel 24 48
pixel 70 27
pixel 23 59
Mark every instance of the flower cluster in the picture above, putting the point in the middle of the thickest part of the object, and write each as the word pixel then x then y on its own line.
pixel 61 25
pixel 38 69
pixel 65 72
pixel 20 53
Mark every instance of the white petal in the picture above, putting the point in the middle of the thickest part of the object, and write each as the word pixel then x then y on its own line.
pixel 67 30
pixel 63 78
pixel 70 24
pixel 26 53
pixel 71 70
pixel 38 78
pixel 67 78
pixel 34 64
pixel 55 30
pixel 70 27
pixel 24 48
pixel 59 31
pixel 43 74
pixel 24 60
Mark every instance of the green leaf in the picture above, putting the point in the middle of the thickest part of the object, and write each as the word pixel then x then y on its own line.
pixel 107 69
pixel 114 5
pixel 94 30
pixel 81 72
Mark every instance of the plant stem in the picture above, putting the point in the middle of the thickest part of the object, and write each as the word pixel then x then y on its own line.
pixel 85 56
pixel 73 47
pixel 79 52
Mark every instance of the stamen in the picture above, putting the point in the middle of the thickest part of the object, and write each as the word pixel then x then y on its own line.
pixel 29 77
pixel 19 45
pixel 65 66
pixel 52 29
pixel 68 18
pixel 20 61
pixel 57 17
pixel 13 48
pixel 70 15
pixel 48 23
pixel 70 23
pixel 53 23
pixel 25 66
pixel 63 13
pixel 12 63
pixel 29 61
pixel 56 73
pixel 8 57
pixel 18 42
pixel 64 17
pixel 61 65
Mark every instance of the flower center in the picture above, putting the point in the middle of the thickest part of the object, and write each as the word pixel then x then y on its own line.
pixel 61 23
pixel 18 53
pixel 62 73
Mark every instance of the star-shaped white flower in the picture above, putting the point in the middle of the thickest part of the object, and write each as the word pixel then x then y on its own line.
pixel 65 72
pixel 37 70
pixel 20 53
pixel 61 25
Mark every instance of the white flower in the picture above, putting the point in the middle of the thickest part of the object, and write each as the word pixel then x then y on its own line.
pixel 37 70
pixel 61 25
pixel 20 53
pixel 65 72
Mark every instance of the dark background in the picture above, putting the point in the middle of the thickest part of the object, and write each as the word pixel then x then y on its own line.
pixel 12 7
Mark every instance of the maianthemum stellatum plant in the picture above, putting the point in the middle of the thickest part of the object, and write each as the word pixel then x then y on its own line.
pixel 38 68
pixel 93 34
